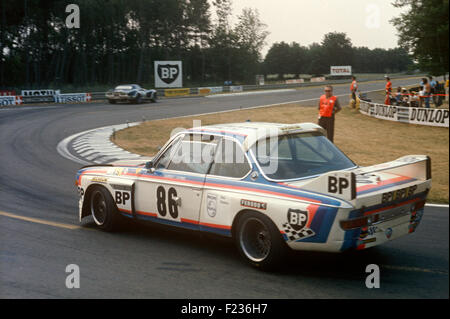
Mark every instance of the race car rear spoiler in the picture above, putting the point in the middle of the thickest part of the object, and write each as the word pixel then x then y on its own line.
pixel 342 184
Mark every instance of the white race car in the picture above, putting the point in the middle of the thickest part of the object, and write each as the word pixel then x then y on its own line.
pixel 268 186
pixel 131 93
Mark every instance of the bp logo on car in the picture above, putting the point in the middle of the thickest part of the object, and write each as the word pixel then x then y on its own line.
pixel 168 74
pixel 297 218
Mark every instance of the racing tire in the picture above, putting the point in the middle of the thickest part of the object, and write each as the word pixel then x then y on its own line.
pixel 259 241
pixel 154 99
pixel 112 101
pixel 103 209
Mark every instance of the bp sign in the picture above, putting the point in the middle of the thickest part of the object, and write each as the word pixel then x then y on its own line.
pixel 168 74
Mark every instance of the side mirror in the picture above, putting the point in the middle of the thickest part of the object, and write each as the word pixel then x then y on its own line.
pixel 150 166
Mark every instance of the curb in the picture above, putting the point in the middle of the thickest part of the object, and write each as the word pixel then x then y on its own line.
pixel 83 147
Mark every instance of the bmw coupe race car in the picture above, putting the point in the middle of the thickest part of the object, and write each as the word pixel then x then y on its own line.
pixel 131 93
pixel 270 187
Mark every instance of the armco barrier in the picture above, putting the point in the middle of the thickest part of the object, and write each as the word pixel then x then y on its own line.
pixel 411 115
pixel 38 96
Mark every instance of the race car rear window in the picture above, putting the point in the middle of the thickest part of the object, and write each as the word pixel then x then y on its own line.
pixel 299 155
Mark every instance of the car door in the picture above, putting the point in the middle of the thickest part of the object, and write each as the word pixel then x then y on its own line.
pixel 172 193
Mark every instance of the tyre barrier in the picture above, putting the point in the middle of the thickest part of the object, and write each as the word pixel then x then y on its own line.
pixel 411 115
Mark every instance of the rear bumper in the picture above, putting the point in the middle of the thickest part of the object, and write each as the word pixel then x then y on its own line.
pixel 378 234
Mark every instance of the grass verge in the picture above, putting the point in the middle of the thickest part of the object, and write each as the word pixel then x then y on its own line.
pixel 365 140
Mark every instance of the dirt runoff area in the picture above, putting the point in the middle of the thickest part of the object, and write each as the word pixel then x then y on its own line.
pixel 364 139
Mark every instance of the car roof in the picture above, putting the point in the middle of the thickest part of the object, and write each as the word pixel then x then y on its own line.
pixel 250 132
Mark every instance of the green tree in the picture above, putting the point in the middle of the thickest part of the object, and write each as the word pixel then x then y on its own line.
pixel 423 31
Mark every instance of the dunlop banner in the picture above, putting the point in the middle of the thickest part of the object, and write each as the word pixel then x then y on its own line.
pixel 432 117
pixel 416 115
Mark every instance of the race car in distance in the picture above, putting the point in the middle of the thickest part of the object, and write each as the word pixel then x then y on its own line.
pixel 131 93
pixel 268 186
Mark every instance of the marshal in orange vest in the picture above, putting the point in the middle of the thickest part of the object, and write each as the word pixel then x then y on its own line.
pixel 327 106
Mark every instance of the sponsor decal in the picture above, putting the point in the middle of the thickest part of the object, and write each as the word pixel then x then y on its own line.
pixel 253 204
pixel 119 171
pixel 121 187
pixel 168 74
pixel 398 194
pixel 341 70
pixel 370 240
pixel 295 228
pixel 100 179
pixel 211 205
pixel 10 100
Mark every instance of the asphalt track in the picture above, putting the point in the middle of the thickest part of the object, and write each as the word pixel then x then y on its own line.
pixel 40 234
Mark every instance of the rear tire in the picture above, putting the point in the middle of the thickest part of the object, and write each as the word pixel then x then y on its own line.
pixel 259 241
pixel 112 101
pixel 103 209
pixel 138 99
pixel 154 99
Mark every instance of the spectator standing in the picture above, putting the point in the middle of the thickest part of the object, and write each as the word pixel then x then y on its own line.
pixel 434 89
pixel 328 107
pixel 388 89
pixel 425 93
pixel 398 96
pixel 353 89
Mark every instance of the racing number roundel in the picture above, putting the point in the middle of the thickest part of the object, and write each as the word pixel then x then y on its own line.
pixel 172 205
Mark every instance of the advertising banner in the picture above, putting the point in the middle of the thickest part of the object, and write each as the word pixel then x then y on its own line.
pixel 73 97
pixel 10 100
pixel 294 81
pixel 46 92
pixel 168 74
pixel 236 88
pixel 318 79
pixel 204 91
pixel 416 115
pixel 431 117
pixel 341 70
pixel 176 92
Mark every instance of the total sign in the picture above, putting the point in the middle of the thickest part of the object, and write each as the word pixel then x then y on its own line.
pixel 341 70
pixel 168 74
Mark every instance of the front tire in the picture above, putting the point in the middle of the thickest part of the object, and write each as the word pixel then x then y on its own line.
pixel 259 241
pixel 154 98
pixel 103 209
pixel 112 101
